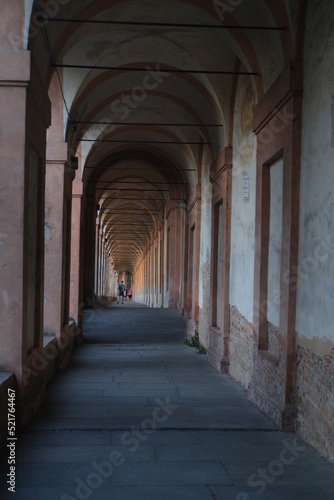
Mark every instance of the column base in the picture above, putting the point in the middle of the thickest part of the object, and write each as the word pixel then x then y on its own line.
pixel 284 416
pixel 216 353
pixel 219 363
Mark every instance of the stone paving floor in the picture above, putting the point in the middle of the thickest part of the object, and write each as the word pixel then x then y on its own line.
pixel 139 415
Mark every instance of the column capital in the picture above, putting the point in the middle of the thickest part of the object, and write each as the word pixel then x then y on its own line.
pixel 194 198
pixel 175 205
pixel 77 189
pixel 287 86
pixel 56 153
pixel 70 172
pixel 15 68
pixel 222 163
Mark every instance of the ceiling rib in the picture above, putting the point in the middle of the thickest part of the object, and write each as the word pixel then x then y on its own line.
pixel 144 142
pixel 163 24
pixel 161 70
pixel 139 169
pixel 149 124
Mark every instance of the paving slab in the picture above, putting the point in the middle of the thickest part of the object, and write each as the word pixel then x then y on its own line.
pixel 172 473
pixel 139 415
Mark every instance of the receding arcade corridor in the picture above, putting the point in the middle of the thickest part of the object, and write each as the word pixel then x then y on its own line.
pixel 182 151
pixel 139 415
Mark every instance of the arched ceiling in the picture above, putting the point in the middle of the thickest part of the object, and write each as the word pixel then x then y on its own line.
pixel 148 95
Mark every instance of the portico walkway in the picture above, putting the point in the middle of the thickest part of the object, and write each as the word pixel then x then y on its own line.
pixel 139 415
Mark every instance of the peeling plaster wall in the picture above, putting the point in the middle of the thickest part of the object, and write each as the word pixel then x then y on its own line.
pixel 316 244
pixel 242 237
pixel 315 292
pixel 243 212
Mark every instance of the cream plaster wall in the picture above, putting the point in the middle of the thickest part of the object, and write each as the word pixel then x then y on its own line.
pixel 243 212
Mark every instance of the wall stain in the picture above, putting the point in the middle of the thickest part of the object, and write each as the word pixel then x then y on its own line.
pixel 247 111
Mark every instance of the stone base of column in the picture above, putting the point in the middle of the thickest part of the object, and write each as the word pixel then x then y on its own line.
pixel 31 398
pixel 219 363
pixel 191 329
pixel 284 416
pixel 42 369
pixel 216 353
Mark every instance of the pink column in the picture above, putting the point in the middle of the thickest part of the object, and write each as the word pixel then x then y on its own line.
pixel 14 78
pixel 88 248
pixel 75 309
pixel 23 121
pixel 100 263
pixel 54 218
pixel 58 194
pixel 176 225
pixel 97 253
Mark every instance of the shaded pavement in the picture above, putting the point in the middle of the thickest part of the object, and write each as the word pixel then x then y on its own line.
pixel 139 415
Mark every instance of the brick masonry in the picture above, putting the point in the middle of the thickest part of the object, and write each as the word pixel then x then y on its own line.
pixel 315 400
pixel 203 327
pixel 192 329
pixel 267 389
pixel 216 351
pixel 261 373
pixel 204 316
pixel 263 377
pixel 273 339
pixel 240 347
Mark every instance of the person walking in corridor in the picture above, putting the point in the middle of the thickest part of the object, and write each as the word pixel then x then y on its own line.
pixel 121 292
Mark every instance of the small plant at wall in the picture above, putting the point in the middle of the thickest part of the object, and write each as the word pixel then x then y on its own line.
pixel 194 342
pixel 201 349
